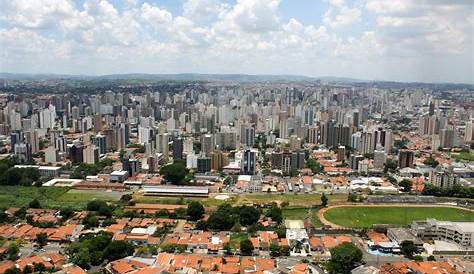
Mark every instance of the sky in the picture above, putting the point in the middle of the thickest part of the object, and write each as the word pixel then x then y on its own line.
pixel 397 40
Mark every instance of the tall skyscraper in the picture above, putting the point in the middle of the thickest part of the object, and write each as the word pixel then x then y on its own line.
pixel 177 148
pixel 283 124
pixel 91 154
pixel 248 162
pixel 405 158
pixel 207 144
pixel 248 136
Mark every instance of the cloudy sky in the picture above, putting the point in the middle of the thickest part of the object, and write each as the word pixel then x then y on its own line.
pixel 402 40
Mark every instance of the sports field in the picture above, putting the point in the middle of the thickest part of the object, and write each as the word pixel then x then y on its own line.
pixel 359 217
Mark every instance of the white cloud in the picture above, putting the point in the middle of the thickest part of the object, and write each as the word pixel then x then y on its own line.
pixel 203 11
pixel 423 26
pixel 249 36
pixel 340 15
pixel 254 15
pixel 154 15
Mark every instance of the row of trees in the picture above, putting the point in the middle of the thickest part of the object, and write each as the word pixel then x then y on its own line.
pixel 9 175
pixel 83 170
pixel 226 216
pixel 454 191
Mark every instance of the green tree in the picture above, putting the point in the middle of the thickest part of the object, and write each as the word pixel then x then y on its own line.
pixel 352 197
pixel 40 268
pixel 246 247
pixel 408 248
pixel 12 252
pixel 344 258
pixel 90 221
pixel 101 207
pixel 276 213
pixel 66 213
pixel 195 211
pixel 82 258
pixel 313 165
pixel 223 218
pixel 20 213
pixel 249 215
pixel 275 250
pixel 418 258
pixel 174 173
pixel 390 165
pixel 41 239
pixel 228 249
pixel 12 270
pixel 27 269
pixel 324 200
pixel 406 184
pixel 118 249
pixel 34 204
pixel 430 161
pixel 201 225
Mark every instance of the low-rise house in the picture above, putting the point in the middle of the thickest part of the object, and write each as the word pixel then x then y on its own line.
pixel 379 241
pixel 419 267
pixel 200 241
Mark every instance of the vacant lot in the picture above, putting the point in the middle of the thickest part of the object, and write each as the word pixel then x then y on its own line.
pixel 301 213
pixel 294 200
pixel 301 200
pixel 51 197
pixel 207 202
pixel 359 217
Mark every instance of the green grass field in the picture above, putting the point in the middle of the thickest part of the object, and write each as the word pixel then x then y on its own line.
pixel 51 197
pixel 359 217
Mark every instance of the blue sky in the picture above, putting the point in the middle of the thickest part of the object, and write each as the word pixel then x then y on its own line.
pixel 401 40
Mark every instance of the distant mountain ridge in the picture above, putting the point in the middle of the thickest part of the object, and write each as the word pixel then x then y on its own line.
pixel 177 76
pixel 218 77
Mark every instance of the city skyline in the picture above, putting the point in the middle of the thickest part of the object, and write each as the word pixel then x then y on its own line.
pixel 425 41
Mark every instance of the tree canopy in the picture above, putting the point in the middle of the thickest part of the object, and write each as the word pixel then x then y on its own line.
pixel 406 184
pixel 430 161
pixel 248 215
pixel 408 248
pixel 246 247
pixel 313 165
pixel 93 249
pixel 344 258
pixel 195 211
pixel 174 173
pixel 324 200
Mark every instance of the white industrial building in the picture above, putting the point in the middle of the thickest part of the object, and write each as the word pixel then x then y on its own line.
pixel 461 233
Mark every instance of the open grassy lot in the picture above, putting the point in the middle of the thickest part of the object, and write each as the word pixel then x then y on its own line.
pixel 463 156
pixel 235 239
pixel 359 217
pixel 51 197
pixel 292 199
pixel 300 213
pixel 207 202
